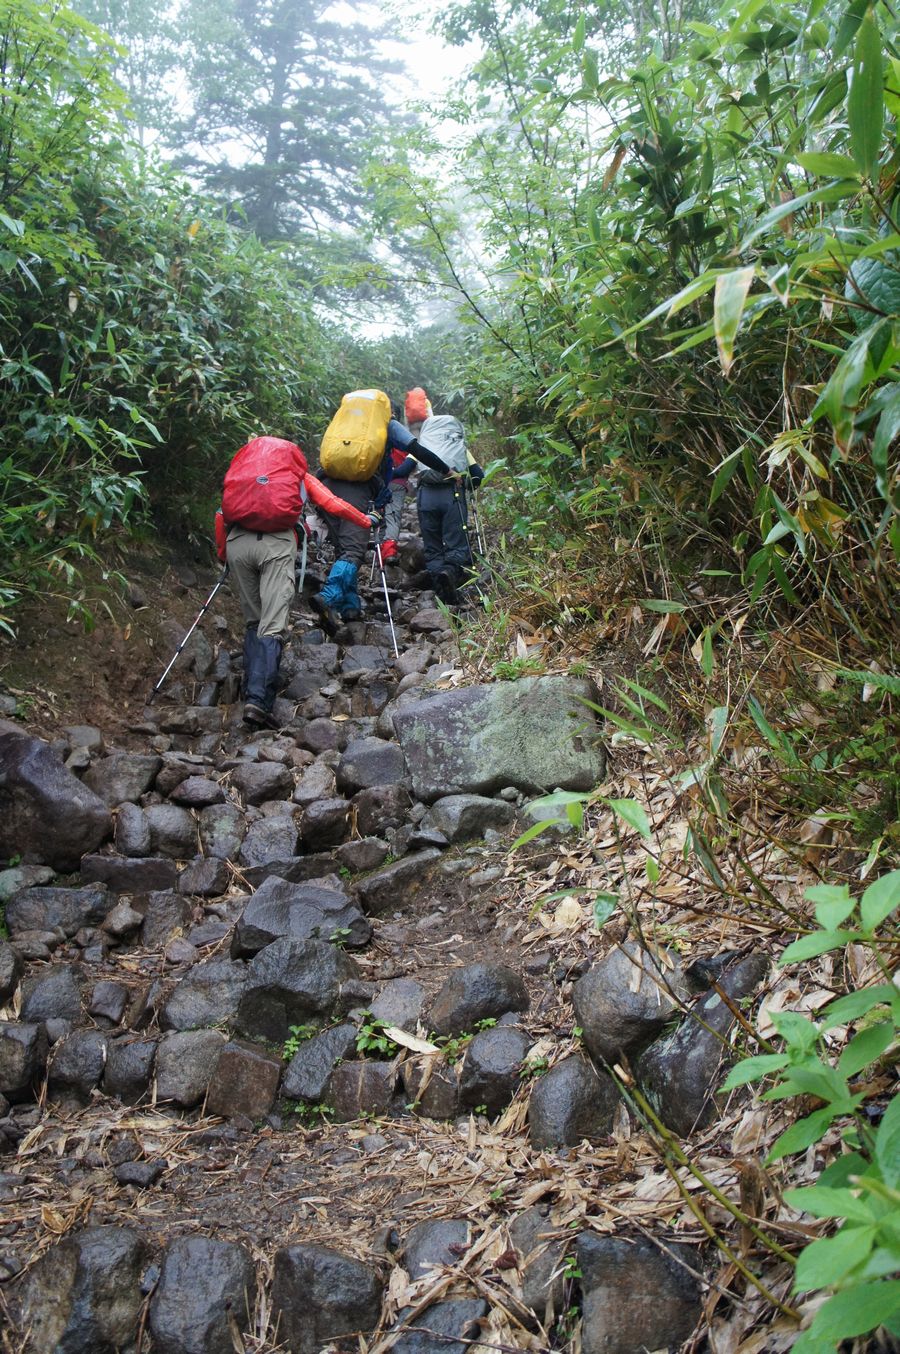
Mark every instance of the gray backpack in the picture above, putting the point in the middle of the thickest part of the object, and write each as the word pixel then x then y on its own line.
pixel 443 434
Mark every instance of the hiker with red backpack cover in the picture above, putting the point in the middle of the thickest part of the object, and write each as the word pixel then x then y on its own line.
pixel 265 489
pixel 357 466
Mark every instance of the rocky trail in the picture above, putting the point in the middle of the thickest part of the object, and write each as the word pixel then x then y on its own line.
pixel 290 1060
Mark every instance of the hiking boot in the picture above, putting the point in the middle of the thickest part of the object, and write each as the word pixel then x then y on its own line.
pixel 352 613
pixel 257 717
pixel 445 588
pixel 389 552
pixel 330 619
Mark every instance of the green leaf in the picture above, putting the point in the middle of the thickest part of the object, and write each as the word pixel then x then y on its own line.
pixel 833 904
pixel 660 604
pixel 886 435
pixel 752 1069
pixel 796 1029
pixel 631 813
pixel 801 1135
pixel 887 1144
pixel 879 900
pixel 533 831
pixel 542 85
pixel 833 193
pixel 728 307
pixel 605 905
pixel 826 1262
pixel 856 1310
pixel 819 942
pixel 578 34
pixel 826 164
pixel 822 1202
pixel 865 103
pixel 855 1004
pixel 590 71
pixel 865 1047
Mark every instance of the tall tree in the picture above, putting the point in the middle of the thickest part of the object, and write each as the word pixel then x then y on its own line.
pixel 286 102
pixel 146 60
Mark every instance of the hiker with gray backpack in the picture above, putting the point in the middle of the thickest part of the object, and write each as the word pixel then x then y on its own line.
pixel 443 507
pixel 356 465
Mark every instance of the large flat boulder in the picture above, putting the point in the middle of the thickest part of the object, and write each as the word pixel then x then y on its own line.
pixel 46 813
pixel 536 734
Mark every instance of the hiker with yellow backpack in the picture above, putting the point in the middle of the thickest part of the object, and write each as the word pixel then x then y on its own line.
pixel 356 465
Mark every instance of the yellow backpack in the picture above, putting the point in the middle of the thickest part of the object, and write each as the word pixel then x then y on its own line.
pixel 355 439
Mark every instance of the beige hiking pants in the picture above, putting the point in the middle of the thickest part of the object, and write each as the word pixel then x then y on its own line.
pixel 262 566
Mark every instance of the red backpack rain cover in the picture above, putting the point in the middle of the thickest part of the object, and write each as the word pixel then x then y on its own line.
pixel 262 485
pixel 417 405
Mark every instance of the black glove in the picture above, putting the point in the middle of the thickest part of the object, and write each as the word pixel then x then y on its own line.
pixel 476 474
pixel 376 519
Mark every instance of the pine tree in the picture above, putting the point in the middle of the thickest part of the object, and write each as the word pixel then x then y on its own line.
pixel 286 102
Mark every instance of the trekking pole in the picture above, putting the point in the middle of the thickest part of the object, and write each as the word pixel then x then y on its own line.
pixel 463 523
pixel 477 520
pixel 387 598
pixel 304 552
pixel 200 614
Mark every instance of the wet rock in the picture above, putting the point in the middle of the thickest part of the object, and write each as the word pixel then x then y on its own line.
pixel 222 828
pixel 52 994
pixel 196 792
pixel 381 807
pixel 397 884
pixel 23 1057
pixel 176 768
pixel 370 762
pixel 209 994
pixel 365 853
pixel 132 837
pixel 491 1071
pixel 166 916
pixel 636 1296
pixel 85 1293
pixel 308 1073
pixel 185 1061
pixel 535 733
pixel 47 814
pixel 433 1244
pixel 23 877
pixel 400 1003
pixel 571 1102
pixel 271 839
pixel 122 776
pixel 432 1087
pixel 319 734
pixel 76 1067
pixel 325 822
pixel 245 1081
pixel 204 877
pixel 109 1001
pixel 317 782
pixel 476 992
pixel 260 781
pixel 451 1326
pixel 318 1295
pixel 541 1287
pixel 289 981
pixel 129 1069
pixel 414 659
pixel 301 912
pixel 626 998
pixel 461 817
pixel 368 657
pixel 123 875
pixel 46 909
pixel 202 1282
pixel 681 1073
pixel 122 921
pixel 141 1174
pixel 173 832
pixel 10 970
pixel 360 1089
pixel 84 736
pixel 181 951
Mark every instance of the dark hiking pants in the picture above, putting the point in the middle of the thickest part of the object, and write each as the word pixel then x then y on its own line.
pixel 442 515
